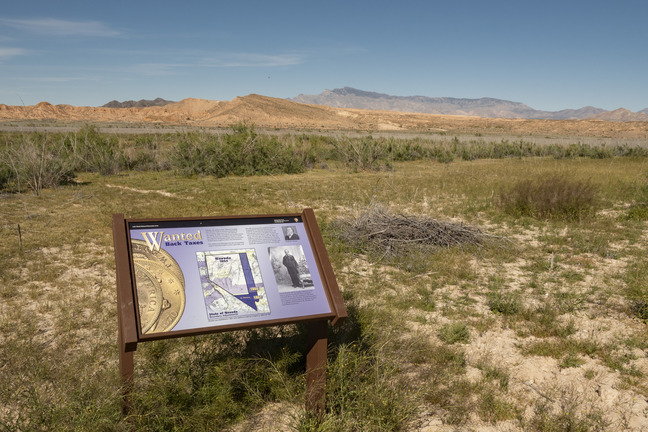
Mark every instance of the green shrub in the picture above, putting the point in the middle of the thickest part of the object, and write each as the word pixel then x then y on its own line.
pixel 551 197
pixel 312 149
pixel 33 162
pixel 144 153
pixel 363 154
pixel 92 151
pixel 410 150
pixel 191 155
pixel 6 175
pixel 241 153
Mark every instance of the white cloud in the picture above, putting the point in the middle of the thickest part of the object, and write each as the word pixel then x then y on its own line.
pixel 154 69
pixel 62 79
pixel 225 60
pixel 7 53
pixel 253 60
pixel 58 27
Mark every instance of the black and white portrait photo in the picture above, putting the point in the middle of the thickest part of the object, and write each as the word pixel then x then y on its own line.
pixel 290 233
pixel 290 268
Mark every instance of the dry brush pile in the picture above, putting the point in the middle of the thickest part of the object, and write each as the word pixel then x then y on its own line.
pixel 380 232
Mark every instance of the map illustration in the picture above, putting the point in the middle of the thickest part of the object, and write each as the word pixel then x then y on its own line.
pixel 232 285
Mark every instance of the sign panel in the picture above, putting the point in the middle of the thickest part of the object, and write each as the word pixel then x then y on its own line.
pixel 206 274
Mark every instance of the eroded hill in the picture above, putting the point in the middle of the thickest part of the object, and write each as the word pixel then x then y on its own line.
pixel 267 112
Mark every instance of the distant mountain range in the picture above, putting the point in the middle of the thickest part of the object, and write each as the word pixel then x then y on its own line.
pixel 348 97
pixel 280 114
pixel 142 103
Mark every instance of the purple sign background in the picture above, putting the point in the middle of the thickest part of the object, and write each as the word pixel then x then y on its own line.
pixel 268 240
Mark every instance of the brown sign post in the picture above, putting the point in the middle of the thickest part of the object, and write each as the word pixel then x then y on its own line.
pixel 189 276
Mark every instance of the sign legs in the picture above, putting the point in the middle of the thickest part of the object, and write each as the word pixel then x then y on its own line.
pixel 316 366
pixel 126 372
pixel 317 346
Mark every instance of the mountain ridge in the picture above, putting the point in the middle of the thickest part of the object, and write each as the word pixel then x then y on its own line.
pixel 277 113
pixel 487 107
pixel 142 103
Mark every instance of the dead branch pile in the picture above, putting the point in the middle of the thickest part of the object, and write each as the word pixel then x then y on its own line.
pixel 379 230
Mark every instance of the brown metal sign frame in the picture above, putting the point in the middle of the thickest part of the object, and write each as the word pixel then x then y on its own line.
pixel 129 325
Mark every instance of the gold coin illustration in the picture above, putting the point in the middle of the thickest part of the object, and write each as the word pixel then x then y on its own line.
pixel 141 250
pixel 173 295
pixel 149 295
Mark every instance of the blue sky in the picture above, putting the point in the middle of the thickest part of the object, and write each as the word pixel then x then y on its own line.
pixel 551 55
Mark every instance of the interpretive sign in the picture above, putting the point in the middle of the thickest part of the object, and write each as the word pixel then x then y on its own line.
pixel 188 276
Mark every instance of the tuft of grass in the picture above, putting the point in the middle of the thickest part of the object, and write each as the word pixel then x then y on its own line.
pixel 558 348
pixel 200 382
pixel 553 197
pixel 544 322
pixel 494 409
pixel 638 211
pixel 566 410
pixel 504 303
pixel 571 360
pixel 636 288
pixel 453 333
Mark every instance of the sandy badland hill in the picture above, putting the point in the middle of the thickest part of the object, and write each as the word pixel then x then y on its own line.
pixel 267 112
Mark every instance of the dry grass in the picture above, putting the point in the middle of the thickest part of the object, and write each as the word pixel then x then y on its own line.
pixel 557 196
pixel 538 335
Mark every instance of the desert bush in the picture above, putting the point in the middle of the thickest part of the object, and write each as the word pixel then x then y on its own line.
pixel 93 151
pixel 313 150
pixel 250 153
pixel 443 155
pixel 34 161
pixel 363 154
pixel 192 154
pixel 242 152
pixel 555 196
pixel 409 150
pixel 144 153
pixel 581 150
pixel 6 176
